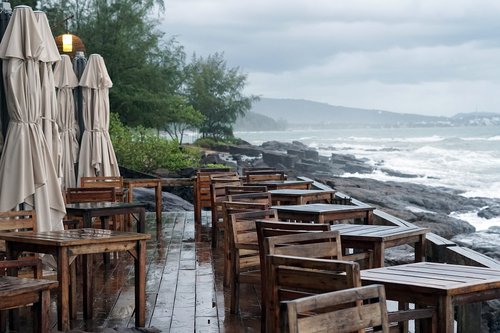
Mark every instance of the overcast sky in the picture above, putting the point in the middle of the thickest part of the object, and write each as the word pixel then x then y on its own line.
pixel 434 57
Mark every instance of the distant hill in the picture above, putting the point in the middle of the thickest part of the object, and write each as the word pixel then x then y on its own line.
pixel 305 112
pixel 258 122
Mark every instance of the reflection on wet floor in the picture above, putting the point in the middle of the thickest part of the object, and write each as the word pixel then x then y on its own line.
pixel 184 290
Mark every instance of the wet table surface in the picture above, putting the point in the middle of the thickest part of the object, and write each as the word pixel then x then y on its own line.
pixel 65 245
pixel 323 213
pixel 380 237
pixel 440 285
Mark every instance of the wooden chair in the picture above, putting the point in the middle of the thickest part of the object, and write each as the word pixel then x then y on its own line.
pixel 92 194
pixel 20 292
pixel 217 197
pixel 244 250
pixel 343 311
pixel 320 245
pixel 271 229
pixel 229 208
pixel 202 199
pixel 11 221
pixel 291 277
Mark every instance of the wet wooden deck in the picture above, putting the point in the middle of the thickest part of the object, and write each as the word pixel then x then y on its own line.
pixel 184 287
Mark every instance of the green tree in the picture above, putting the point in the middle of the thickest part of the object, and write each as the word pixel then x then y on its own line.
pixel 217 92
pixel 182 117
pixel 146 69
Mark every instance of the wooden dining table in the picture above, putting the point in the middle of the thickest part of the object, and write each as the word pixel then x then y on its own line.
pixel 65 246
pixel 438 285
pixel 380 237
pixel 324 213
pixel 300 197
pixel 104 210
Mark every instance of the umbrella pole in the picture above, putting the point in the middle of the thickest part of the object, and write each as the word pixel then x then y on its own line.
pixel 79 63
pixel 5 13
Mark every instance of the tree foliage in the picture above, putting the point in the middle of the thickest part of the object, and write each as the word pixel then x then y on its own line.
pixel 217 92
pixel 153 86
pixel 182 117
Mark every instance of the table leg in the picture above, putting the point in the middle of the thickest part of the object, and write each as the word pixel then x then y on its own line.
pixel 420 249
pixel 159 204
pixel 378 254
pixel 87 220
pixel 445 314
pixel 42 312
pixel 141 224
pixel 63 290
pixel 72 294
pixel 88 290
pixel 140 284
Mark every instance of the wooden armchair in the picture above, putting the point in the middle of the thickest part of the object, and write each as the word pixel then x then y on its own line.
pixel 19 292
pixel 244 250
pixel 202 198
pixel 12 221
pixel 91 194
pixel 289 278
pixel 229 208
pixel 344 311
pixel 275 228
pixel 217 197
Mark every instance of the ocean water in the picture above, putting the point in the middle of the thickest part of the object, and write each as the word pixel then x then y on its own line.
pixel 462 158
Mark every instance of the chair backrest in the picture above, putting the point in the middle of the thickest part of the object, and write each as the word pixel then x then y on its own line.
pixel 259 176
pixel 218 192
pixel 258 197
pixel 245 171
pixel 202 186
pixel 341 311
pixel 12 221
pixel 242 227
pixel 90 194
pixel 102 181
pixel 231 190
pixel 291 277
pixel 325 245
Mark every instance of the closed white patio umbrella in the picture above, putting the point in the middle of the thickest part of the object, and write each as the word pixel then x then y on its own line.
pixel 66 81
pixel 49 56
pixel 27 174
pixel 97 156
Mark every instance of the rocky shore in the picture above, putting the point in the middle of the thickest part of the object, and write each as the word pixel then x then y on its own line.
pixel 422 205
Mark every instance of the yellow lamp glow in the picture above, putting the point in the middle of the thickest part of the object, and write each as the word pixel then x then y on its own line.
pixel 67 42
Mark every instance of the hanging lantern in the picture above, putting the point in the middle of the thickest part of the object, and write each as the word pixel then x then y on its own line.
pixel 67 43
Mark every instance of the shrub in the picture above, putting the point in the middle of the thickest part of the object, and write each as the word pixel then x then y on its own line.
pixel 143 150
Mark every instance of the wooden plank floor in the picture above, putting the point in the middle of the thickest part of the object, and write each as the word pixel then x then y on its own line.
pixel 184 287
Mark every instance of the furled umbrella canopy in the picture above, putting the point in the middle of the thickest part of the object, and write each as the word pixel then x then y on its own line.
pixel 66 81
pixel 27 174
pixel 97 156
pixel 48 57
